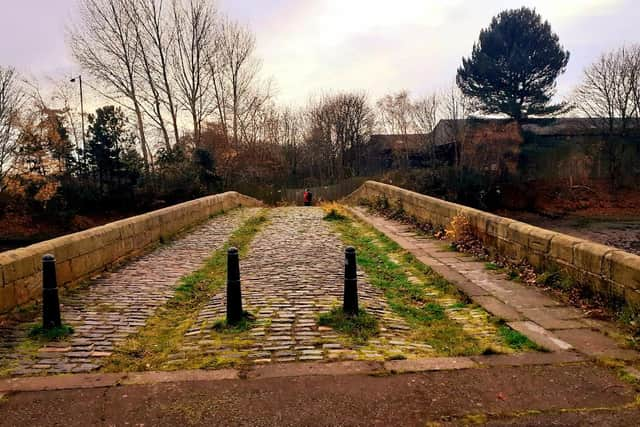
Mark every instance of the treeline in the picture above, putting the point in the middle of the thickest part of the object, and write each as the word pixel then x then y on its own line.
pixel 187 111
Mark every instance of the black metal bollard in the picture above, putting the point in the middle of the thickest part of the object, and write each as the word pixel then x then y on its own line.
pixel 50 301
pixel 234 293
pixel 350 304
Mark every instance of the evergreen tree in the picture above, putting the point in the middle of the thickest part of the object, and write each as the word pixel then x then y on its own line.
pixel 110 152
pixel 514 66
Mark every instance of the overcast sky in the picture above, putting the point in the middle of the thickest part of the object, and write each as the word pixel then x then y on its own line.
pixel 308 46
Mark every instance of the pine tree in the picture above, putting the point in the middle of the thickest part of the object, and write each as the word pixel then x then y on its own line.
pixel 514 66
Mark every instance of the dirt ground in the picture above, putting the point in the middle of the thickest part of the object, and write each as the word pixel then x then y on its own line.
pixel 623 233
pixel 19 230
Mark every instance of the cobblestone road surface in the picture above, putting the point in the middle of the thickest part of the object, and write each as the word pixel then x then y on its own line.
pixel 116 304
pixel 293 272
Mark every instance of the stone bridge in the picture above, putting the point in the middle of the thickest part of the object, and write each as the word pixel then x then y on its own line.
pixel 120 281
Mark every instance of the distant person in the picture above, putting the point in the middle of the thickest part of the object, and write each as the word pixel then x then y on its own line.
pixel 307 197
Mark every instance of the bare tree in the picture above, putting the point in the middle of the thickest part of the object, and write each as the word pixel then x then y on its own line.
pixel 291 137
pixel 608 94
pixel 11 100
pixel 194 26
pixel 235 71
pixel 104 42
pixel 634 69
pixel 395 116
pixel 63 92
pixel 456 108
pixel 155 41
pixel 339 127
pixel 426 113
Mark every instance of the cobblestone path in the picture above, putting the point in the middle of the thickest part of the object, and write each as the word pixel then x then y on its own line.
pixel 116 304
pixel 293 272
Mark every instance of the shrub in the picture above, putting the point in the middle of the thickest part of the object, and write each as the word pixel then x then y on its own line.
pixel 460 231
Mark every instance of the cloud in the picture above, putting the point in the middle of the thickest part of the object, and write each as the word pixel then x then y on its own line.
pixel 381 46
pixel 374 45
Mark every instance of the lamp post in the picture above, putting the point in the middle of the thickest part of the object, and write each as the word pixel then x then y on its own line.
pixel 84 142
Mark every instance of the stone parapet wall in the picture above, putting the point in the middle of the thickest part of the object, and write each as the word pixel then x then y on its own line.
pixel 84 254
pixel 608 271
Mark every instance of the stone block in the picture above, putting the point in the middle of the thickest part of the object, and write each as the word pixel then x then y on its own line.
pixel 153 220
pixel 518 232
pixel 227 202
pixel 28 289
pixel 20 263
pixel 501 228
pixel 590 256
pixel 127 228
pixel 63 248
pixel 139 224
pixel 7 298
pixel 540 239
pixel 540 336
pixel 632 298
pixel 42 248
pixel 107 254
pixel 561 247
pixel 87 241
pixel 80 266
pixel 430 364
pixel 624 268
pixel 536 259
pixel 447 213
pixel 497 308
pixel 508 249
pixel 64 274
pixel 108 234
pixel 119 249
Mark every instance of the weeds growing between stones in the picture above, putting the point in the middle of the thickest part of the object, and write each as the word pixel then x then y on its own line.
pixel 360 327
pixel 38 332
pixel 516 340
pixel 247 322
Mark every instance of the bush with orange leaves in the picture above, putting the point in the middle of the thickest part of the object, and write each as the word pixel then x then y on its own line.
pixel 460 233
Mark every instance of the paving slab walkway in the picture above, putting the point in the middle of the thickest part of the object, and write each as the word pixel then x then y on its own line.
pixel 117 303
pixel 541 318
pixel 293 272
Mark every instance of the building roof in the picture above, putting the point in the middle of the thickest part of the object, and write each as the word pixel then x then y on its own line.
pixel 446 129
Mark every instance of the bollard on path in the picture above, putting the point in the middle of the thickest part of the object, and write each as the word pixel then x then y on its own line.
pixel 350 304
pixel 234 293
pixel 50 302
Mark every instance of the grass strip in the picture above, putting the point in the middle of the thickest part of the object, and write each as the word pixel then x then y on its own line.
pixel 389 267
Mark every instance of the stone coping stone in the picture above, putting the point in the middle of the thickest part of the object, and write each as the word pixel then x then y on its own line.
pixel 61 382
pixel 530 358
pixel 154 377
pixel 430 364
pixel 97 380
pixel 314 368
